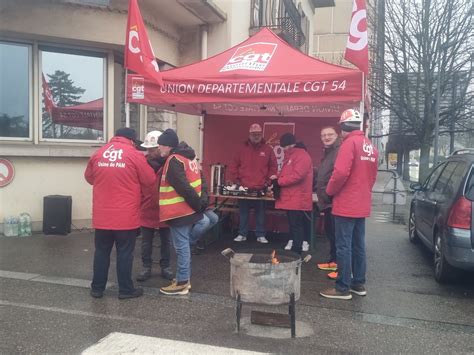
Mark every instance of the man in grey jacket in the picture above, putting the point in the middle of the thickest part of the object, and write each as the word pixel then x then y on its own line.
pixel 331 142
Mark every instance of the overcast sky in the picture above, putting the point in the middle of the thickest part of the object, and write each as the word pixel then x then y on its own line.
pixel 86 72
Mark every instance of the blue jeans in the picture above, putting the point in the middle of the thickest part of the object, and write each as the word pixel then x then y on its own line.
pixel 209 219
pixel 350 252
pixel 124 241
pixel 147 246
pixel 244 208
pixel 180 236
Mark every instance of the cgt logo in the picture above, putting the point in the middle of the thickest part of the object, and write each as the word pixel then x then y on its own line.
pixel 112 155
pixel 368 149
pixel 358 31
pixel 134 46
pixel 138 88
pixel 254 56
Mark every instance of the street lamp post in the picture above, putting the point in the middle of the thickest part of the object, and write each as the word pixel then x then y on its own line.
pixel 436 129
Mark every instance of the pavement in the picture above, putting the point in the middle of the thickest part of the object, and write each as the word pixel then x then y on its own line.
pixel 45 306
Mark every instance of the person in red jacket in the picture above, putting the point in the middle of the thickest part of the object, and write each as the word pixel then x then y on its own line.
pixel 252 167
pixel 295 181
pixel 118 173
pixel 150 215
pixel 350 186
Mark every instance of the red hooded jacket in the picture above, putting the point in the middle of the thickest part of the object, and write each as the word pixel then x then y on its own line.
pixel 118 173
pixel 253 165
pixel 150 209
pixel 355 171
pixel 296 181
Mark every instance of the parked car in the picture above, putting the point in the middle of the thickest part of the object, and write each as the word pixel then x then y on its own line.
pixel 413 163
pixel 442 215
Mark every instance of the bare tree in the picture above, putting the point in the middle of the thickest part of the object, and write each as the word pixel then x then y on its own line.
pixel 425 39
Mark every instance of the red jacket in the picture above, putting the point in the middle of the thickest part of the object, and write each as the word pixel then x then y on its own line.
pixel 296 181
pixel 253 165
pixel 118 173
pixel 149 211
pixel 355 171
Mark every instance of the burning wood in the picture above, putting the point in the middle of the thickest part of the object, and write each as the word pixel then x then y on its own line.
pixel 275 260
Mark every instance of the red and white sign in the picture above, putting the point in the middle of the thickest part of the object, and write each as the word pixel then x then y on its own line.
pixel 255 56
pixel 139 55
pixel 7 172
pixel 357 51
pixel 138 88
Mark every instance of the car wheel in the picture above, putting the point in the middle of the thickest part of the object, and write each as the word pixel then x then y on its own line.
pixel 412 233
pixel 443 272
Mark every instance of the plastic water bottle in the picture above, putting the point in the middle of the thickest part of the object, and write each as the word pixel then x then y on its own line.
pixel 10 226
pixel 25 225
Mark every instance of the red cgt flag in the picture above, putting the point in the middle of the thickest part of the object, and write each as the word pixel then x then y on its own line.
pixel 357 51
pixel 139 55
pixel 49 103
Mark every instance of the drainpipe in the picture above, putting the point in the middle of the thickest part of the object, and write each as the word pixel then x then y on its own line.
pixel 201 118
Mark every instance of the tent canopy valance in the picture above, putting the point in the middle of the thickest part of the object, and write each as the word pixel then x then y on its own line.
pixel 260 76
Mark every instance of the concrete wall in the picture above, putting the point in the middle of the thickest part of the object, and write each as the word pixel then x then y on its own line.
pixel 39 177
pixel 82 25
pixel 331 28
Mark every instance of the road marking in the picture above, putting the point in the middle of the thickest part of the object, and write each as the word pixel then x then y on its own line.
pixel 66 281
pixel 69 311
pixel 123 343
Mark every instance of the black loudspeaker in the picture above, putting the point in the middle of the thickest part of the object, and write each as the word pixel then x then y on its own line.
pixel 57 211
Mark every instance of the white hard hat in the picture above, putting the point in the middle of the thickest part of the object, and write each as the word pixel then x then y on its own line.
pixel 151 139
pixel 350 116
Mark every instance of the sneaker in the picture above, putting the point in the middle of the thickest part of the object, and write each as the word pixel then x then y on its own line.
pixel 358 290
pixel 262 240
pixel 200 245
pixel 195 250
pixel 189 284
pixel 333 275
pixel 289 245
pixel 240 238
pixel 175 289
pixel 330 266
pixel 144 275
pixel 335 294
pixel 97 294
pixel 166 273
pixel 136 293
pixel 305 246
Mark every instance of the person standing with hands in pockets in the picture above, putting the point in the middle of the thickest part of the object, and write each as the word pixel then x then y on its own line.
pixel 350 186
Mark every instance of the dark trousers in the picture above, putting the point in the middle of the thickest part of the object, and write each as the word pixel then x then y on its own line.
pixel 307 227
pixel 330 231
pixel 299 223
pixel 147 246
pixel 124 241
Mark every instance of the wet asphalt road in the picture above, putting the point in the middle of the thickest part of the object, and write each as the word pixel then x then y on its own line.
pixel 45 306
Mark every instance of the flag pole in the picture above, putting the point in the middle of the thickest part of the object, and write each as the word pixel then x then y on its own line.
pixel 362 102
pixel 127 104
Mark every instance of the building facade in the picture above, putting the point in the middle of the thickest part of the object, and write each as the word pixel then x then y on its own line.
pixel 62 87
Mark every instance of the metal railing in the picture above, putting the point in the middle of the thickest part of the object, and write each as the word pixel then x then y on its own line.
pixel 281 16
pixel 395 191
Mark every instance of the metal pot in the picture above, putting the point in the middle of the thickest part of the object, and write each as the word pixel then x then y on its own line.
pixel 257 280
pixel 217 178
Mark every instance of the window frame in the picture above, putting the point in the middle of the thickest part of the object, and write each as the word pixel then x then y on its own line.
pixel 30 46
pixel 77 50
pixel 439 189
pixel 439 168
